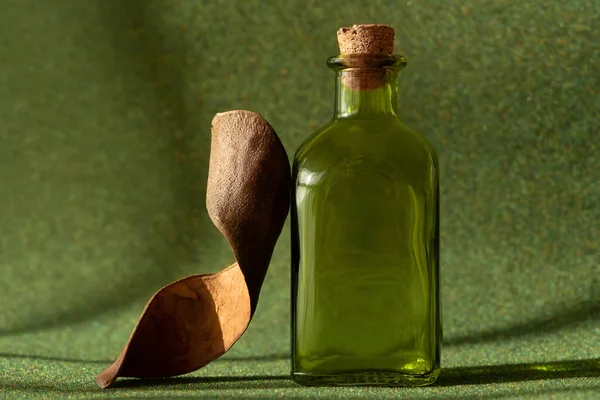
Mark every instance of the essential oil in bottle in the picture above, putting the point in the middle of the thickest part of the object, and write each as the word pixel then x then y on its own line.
pixel 365 232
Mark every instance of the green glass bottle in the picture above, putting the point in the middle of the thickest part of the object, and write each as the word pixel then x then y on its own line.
pixel 365 232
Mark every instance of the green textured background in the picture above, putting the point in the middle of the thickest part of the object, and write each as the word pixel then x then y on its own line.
pixel 105 110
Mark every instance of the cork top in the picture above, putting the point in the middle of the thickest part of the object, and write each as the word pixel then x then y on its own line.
pixel 366 39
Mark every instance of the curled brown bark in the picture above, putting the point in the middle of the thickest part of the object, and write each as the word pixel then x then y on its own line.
pixel 193 321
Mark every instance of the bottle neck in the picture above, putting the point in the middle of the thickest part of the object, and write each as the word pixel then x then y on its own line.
pixel 366 93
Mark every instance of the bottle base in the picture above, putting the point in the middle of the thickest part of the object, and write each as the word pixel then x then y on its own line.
pixel 365 378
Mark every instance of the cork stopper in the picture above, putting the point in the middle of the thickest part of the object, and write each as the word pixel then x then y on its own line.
pixel 366 39
pixel 362 41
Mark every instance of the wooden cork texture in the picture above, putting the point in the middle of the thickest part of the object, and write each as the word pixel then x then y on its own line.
pixel 365 41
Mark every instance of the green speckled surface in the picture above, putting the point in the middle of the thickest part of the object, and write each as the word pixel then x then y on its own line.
pixel 105 110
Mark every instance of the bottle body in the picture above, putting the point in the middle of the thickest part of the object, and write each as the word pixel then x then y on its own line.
pixel 365 255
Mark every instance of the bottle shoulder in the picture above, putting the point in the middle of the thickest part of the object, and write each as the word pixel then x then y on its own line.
pixel 312 141
pixel 386 140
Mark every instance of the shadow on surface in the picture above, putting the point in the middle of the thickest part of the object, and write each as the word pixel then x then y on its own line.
pixel 164 388
pixel 211 382
pixel 147 47
pixel 479 375
pixel 57 359
pixel 586 310
pixel 267 357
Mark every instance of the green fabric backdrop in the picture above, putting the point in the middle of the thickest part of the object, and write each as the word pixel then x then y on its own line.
pixel 105 110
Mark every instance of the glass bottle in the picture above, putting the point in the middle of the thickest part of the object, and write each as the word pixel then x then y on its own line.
pixel 365 239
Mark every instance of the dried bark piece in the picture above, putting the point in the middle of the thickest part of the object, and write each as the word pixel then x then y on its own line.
pixel 193 321
pixel 365 40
